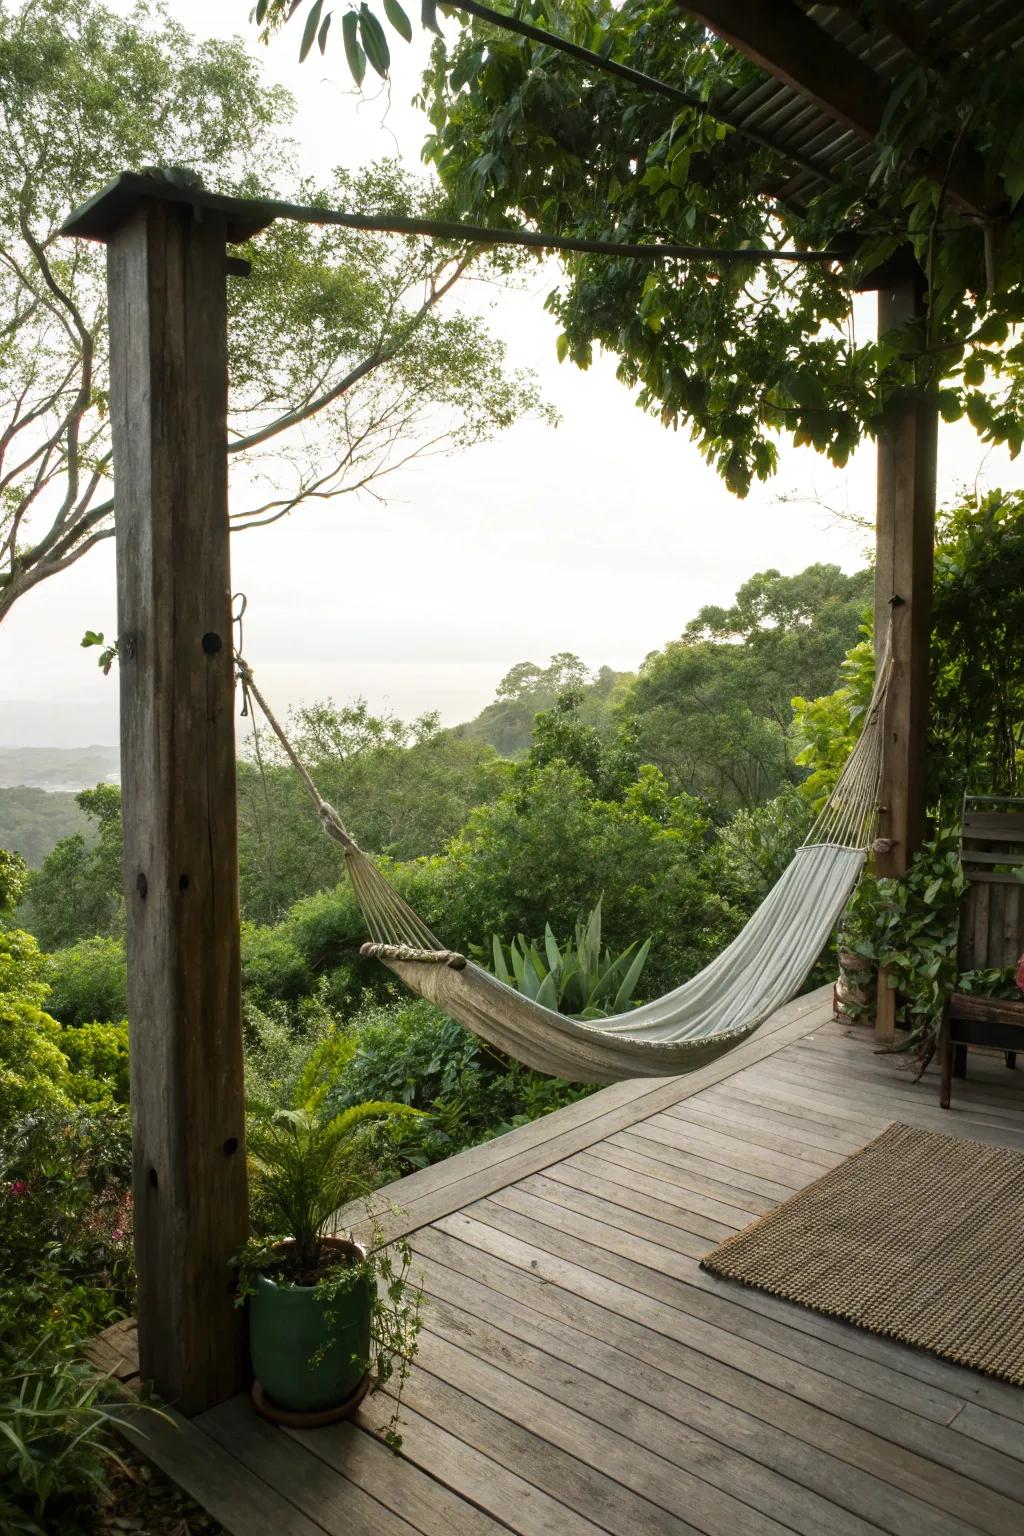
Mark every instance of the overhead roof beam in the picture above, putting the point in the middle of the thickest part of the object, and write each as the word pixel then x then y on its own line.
pixel 783 40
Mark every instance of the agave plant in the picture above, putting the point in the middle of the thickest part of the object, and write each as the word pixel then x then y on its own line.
pixel 576 978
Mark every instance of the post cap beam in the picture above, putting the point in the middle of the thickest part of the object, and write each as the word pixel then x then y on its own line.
pixel 108 209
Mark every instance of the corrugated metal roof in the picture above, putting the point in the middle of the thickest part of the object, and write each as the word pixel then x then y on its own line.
pixel 824 149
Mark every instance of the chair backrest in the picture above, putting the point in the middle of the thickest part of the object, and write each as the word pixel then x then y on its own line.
pixel 991 850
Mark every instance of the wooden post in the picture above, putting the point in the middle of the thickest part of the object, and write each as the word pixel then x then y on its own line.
pixel 905 538
pixel 168 387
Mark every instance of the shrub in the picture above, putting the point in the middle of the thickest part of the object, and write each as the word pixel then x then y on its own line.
pixel 410 1052
pixel 280 1039
pixel 65 1211
pixel 272 965
pixel 413 1053
pixel 579 979
pixel 33 1069
pixel 318 940
pixel 754 847
pixel 89 981
pixel 97 1056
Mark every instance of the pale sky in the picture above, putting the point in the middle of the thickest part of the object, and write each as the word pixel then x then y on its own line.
pixel 602 536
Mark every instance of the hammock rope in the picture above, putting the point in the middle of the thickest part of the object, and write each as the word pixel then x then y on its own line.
pixel 759 971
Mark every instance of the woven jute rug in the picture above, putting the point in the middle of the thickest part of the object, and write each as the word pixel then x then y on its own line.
pixel 917 1236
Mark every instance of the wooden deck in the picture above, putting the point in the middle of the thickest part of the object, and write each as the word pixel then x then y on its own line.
pixel 579 1373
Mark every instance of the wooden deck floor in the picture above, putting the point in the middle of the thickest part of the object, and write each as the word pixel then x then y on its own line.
pixel 579 1373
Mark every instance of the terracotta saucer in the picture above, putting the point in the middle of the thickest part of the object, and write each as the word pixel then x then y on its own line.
pixel 291 1419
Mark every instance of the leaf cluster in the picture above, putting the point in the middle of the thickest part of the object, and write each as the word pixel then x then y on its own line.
pixel 910 926
pixel 738 353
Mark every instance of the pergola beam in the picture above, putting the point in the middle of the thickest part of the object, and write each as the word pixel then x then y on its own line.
pixel 782 40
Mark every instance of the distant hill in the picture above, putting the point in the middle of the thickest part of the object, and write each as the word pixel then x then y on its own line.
pixel 507 724
pixel 65 768
pixel 32 821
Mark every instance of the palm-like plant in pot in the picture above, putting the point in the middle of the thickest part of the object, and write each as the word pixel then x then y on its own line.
pixel 325 1312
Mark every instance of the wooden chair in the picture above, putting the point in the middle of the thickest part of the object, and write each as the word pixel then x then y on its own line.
pixel 991 934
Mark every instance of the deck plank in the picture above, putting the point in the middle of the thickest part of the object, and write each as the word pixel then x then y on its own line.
pixel 622 1356
pixel 336 1505
pixel 584 1489
pixel 650 1332
pixel 580 1374
pixel 660 1481
pixel 409 1493
pixel 240 1497
pixel 939 1469
pixel 463 1468
pixel 592 1179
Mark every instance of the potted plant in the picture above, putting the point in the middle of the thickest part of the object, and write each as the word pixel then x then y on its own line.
pixel 326 1314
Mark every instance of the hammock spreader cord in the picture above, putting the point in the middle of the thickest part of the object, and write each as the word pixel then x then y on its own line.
pixel 388 916
pixel 329 818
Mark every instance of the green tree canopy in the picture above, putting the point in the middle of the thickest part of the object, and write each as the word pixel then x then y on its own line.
pixel 404 787
pixel 521 133
pixel 976 703
pixel 527 689
pixel 77 891
pixel 344 360
pixel 13 877
pixel 712 709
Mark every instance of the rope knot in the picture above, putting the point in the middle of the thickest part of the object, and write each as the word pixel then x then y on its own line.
pixel 333 825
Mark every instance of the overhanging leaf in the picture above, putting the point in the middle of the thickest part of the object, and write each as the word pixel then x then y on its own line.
pixel 375 44
pixel 310 29
pixel 398 19
pixel 353 52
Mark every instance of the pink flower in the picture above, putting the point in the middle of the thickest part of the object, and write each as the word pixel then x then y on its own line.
pixel 117 1236
pixel 18 1187
pixel 1020 973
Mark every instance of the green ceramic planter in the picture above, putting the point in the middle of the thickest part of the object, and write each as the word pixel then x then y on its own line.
pixel 309 1356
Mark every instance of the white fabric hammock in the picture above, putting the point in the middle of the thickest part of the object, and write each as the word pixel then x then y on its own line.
pixel 763 967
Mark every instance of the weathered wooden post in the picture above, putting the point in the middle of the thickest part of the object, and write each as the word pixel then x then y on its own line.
pixel 905 538
pixel 168 387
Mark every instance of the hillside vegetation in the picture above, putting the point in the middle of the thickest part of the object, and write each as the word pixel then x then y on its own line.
pixel 33 821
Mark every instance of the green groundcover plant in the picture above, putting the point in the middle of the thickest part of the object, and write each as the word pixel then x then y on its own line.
pixel 56 1422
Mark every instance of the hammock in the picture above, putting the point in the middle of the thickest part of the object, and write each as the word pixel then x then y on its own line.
pixel 763 967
